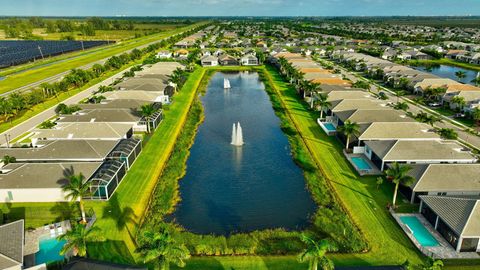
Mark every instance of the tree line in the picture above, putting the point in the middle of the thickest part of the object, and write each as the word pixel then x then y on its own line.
pixel 15 104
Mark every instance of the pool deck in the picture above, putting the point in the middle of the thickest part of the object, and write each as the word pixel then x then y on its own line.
pixel 321 123
pixel 443 251
pixel 373 171
pixel 32 236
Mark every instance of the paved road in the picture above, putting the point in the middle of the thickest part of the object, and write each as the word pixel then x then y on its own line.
pixel 59 76
pixel 36 120
pixel 463 136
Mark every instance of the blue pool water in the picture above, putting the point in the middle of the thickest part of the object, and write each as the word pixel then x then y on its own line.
pixel 361 163
pixel 49 250
pixel 329 126
pixel 420 233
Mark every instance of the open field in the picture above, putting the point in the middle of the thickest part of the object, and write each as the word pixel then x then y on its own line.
pixel 29 76
pixel 114 35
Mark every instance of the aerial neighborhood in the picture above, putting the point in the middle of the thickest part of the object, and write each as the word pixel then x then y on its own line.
pixel 355 143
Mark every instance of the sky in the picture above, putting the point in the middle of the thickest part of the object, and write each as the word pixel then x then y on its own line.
pixel 238 7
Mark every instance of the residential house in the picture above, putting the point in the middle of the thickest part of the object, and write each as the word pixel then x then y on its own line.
pixel 164 54
pixel 456 219
pixel 442 180
pixel 248 60
pixel 209 61
pixel 227 60
pixel 385 152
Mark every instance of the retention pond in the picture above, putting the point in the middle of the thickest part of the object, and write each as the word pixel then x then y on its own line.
pixel 255 186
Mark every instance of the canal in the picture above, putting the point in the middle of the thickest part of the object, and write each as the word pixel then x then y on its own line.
pixel 445 71
pixel 256 186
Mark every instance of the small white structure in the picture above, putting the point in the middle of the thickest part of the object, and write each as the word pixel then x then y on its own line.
pixel 164 54
pixel 249 60
pixel 209 61
pixel 237 135
pixel 226 83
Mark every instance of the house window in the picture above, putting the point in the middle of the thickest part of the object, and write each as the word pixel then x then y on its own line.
pixel 442 194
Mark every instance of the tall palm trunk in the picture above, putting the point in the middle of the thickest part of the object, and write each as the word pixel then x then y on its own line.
pixel 148 124
pixel 321 113
pixel 395 194
pixel 82 209
pixel 348 142
pixel 315 264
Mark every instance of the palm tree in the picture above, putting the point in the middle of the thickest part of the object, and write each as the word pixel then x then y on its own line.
pixel 321 101
pixel 162 249
pixel 379 181
pixel 398 174
pixel 313 88
pixel 76 189
pixel 459 101
pixel 315 253
pixel 398 94
pixel 77 238
pixel 147 111
pixel 348 129
pixel 8 159
pixel 401 106
pixel 460 74
pixel 476 115
pixel 447 133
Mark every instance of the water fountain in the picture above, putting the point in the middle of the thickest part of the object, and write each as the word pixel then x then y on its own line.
pixel 237 135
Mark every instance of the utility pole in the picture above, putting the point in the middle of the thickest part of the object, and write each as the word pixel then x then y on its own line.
pixel 7 139
pixel 41 53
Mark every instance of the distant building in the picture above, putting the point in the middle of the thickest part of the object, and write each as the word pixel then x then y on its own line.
pixel 249 60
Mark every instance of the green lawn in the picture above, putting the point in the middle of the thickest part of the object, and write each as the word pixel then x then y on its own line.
pixel 359 195
pixel 131 196
pixel 449 62
pixel 25 115
pixel 136 188
pixel 30 76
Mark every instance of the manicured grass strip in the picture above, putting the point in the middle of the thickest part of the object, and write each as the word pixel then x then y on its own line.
pixel 30 76
pixel 365 204
pixel 133 195
pixel 244 263
pixel 118 217
pixel 27 114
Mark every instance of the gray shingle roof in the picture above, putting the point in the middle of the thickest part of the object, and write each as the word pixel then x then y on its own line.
pixel 11 243
pixel 455 212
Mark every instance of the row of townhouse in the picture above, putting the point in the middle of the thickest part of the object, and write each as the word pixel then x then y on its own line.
pixel 416 81
pixel 98 141
pixel 446 183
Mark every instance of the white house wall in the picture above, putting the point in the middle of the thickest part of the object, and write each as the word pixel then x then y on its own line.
pixel 33 195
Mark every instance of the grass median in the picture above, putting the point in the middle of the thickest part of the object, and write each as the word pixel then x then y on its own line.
pixel 29 76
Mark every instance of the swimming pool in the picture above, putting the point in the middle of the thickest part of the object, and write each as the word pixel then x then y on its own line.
pixel 423 236
pixel 329 126
pixel 361 164
pixel 49 250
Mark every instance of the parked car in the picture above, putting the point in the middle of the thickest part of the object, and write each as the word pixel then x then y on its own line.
pixel 434 104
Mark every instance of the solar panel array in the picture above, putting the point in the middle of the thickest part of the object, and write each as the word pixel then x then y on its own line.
pixel 14 52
